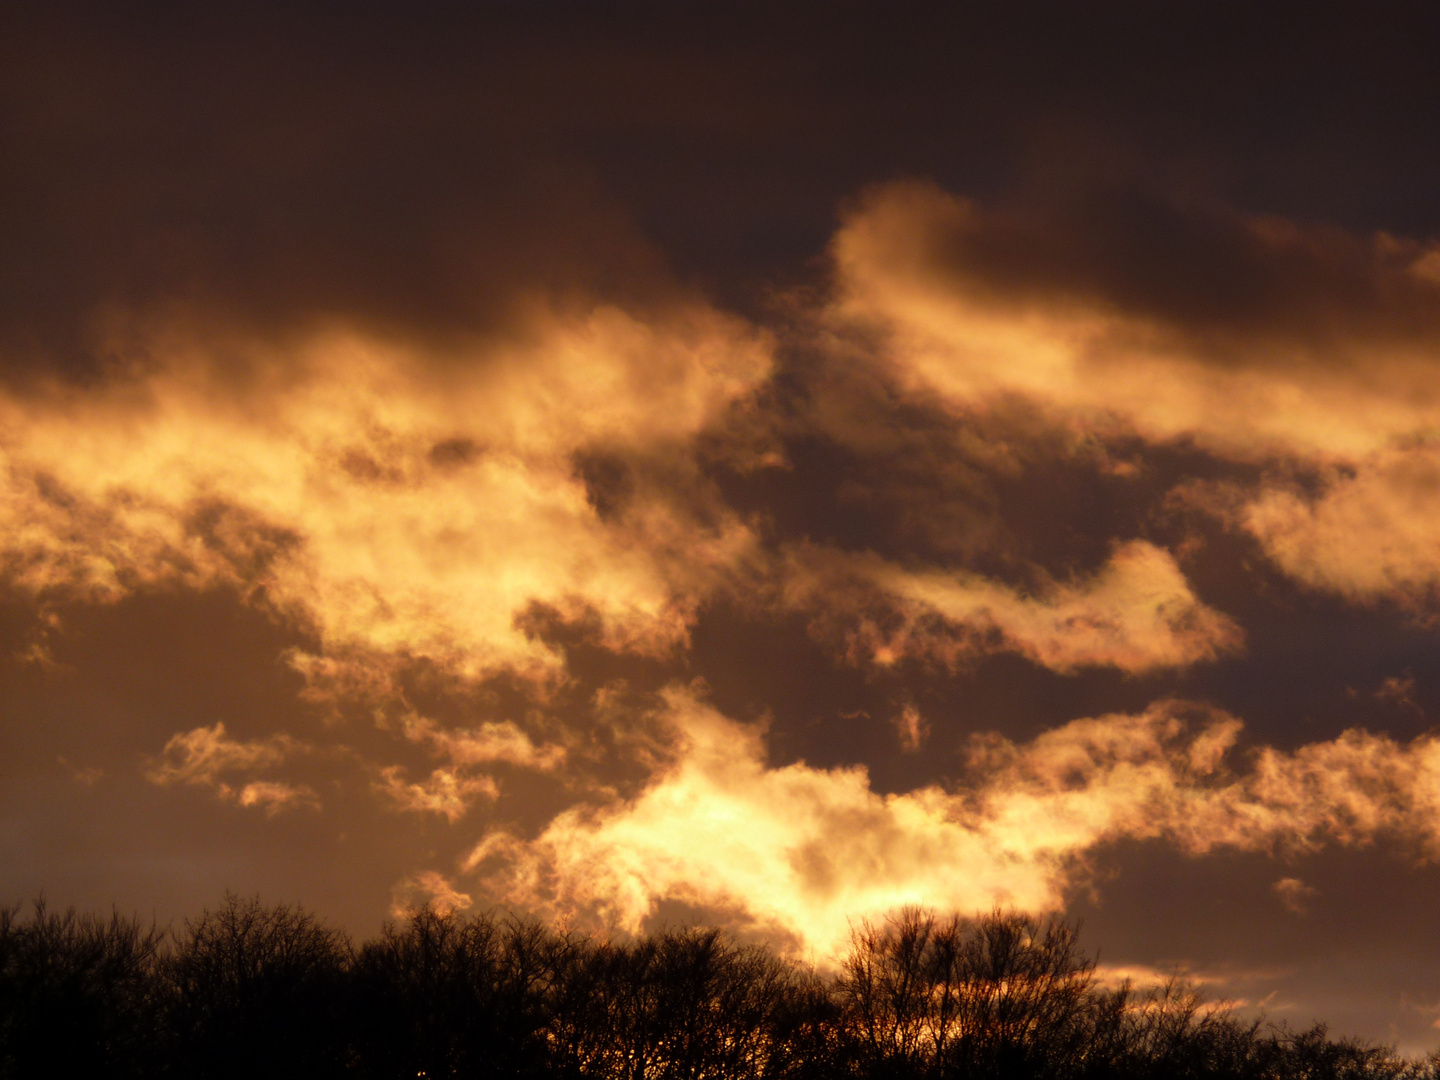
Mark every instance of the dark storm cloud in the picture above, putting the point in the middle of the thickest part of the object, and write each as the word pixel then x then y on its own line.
pixel 422 166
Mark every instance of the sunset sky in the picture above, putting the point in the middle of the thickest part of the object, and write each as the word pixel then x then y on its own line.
pixel 756 464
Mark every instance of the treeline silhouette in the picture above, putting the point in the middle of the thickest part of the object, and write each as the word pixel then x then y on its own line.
pixel 252 991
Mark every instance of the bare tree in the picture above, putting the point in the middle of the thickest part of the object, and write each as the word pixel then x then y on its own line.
pixel 257 991
pixel 250 990
pixel 77 994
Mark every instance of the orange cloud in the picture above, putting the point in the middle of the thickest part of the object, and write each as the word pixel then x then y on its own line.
pixel 445 792
pixel 1296 343
pixel 801 852
pixel 429 888
pixel 488 743
pixel 199 756
pixel 394 502
pixel 274 795
pixel 452 790
pixel 1294 894
pixel 941 287
pixel 1137 613
pixel 1372 531
pixel 203 755
pixel 912 728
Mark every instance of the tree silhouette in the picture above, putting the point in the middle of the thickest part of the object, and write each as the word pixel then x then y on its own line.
pixel 1003 995
pixel 447 996
pixel 680 1005
pixel 248 990
pixel 257 991
pixel 77 994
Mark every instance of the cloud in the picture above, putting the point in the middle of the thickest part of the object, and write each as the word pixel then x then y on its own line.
pixel 801 852
pixel 445 791
pixel 912 728
pixel 452 790
pixel 798 850
pixel 205 756
pixel 1255 339
pixel 388 500
pixel 1371 532
pixel 274 795
pixel 1146 977
pixel 1250 335
pixel 1294 894
pixel 84 775
pixel 501 742
pixel 429 888
pixel 200 755
pixel 1136 614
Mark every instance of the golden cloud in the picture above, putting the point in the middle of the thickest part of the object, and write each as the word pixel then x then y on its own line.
pixel 1294 894
pixel 1137 613
pixel 1300 344
pixel 273 795
pixel 391 501
pixel 489 743
pixel 452 790
pixel 200 755
pixel 445 791
pixel 801 852
pixel 429 888
pixel 912 728
pixel 937 280
pixel 204 755
pixel 1373 530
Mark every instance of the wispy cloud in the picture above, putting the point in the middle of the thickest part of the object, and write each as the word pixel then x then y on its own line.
pixel 489 743
pixel 453 789
pixel 445 791
pixel 1305 340
pixel 208 757
pixel 201 755
pixel 429 888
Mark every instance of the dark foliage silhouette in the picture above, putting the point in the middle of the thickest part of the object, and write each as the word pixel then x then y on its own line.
pixel 257 991
pixel 248 990
pixel 446 997
pixel 1004 996
pixel 78 994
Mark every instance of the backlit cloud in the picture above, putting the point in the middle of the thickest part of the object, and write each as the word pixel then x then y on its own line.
pixel 423 397
pixel 201 755
pixel 428 888
pixel 491 742
pixel 801 852
pixel 1373 530
pixel 272 796
pixel 451 790
pixel 1294 894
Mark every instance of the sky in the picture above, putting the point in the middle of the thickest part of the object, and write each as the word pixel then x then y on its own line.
pixel 764 465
